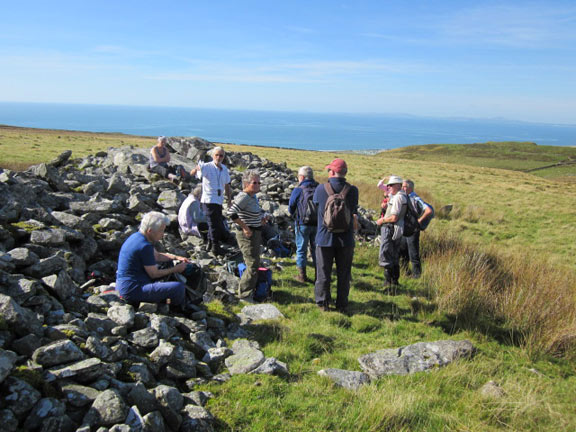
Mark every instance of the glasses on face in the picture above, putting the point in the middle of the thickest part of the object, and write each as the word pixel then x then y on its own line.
pixel 218 155
pixel 255 182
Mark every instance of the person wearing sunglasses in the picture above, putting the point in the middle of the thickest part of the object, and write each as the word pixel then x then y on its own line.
pixel 248 218
pixel 215 185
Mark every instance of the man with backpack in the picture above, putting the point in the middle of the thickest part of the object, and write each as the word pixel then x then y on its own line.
pixel 410 247
pixel 305 214
pixel 337 203
pixel 392 231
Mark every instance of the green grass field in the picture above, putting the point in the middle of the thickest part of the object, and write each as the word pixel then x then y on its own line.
pixel 498 270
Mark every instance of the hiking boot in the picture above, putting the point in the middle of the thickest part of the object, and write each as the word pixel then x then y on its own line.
pixel 301 276
pixel 324 306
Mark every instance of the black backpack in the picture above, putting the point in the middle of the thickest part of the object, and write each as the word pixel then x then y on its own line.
pixel 411 225
pixel 337 215
pixel 307 211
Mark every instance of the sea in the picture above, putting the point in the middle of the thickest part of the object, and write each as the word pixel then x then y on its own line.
pixel 297 130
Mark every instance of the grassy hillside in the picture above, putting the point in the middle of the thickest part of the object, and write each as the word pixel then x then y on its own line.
pixel 518 211
pixel 487 278
pixel 517 156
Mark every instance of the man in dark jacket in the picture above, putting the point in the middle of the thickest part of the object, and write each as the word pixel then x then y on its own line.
pixel 335 246
pixel 305 223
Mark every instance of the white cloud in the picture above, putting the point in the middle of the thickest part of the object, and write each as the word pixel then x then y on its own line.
pixel 529 25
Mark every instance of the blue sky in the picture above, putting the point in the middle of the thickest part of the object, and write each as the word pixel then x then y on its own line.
pixel 511 59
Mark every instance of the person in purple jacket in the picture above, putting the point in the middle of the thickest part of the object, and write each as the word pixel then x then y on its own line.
pixel 335 247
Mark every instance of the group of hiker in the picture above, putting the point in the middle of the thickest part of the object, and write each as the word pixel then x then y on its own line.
pixel 326 220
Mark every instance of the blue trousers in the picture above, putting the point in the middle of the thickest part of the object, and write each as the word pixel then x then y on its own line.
pixel 155 292
pixel 305 236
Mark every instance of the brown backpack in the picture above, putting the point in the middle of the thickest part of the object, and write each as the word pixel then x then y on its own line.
pixel 337 215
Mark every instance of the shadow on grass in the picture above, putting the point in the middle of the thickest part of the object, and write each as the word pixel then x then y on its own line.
pixel 284 297
pixel 380 309
pixel 452 324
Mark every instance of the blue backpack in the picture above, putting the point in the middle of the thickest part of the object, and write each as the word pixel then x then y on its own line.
pixel 307 211
pixel 263 289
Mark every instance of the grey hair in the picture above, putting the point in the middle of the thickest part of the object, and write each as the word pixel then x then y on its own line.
pixel 162 139
pixel 307 172
pixel 197 192
pixel 410 183
pixel 215 149
pixel 248 176
pixel 153 221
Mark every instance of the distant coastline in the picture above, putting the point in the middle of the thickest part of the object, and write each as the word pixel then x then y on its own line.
pixel 368 133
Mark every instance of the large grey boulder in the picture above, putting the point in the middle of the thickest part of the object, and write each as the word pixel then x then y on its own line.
pixel 108 409
pixel 262 311
pixel 62 285
pixel 351 380
pixel 246 358
pixel 56 353
pixel 418 357
pixel 79 395
pixel 21 321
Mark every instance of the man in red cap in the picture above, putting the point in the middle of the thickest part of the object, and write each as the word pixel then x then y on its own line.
pixel 335 244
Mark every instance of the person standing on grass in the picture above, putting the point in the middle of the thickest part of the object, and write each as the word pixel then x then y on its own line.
pixel 391 232
pixel 304 221
pixel 410 247
pixel 248 218
pixel 335 246
pixel 215 185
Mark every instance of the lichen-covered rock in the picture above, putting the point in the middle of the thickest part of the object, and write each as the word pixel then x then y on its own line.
pixel 351 380
pixel 244 361
pixel 418 357
pixel 79 395
pixel 122 314
pixel 107 409
pixel 59 352
pixel 262 311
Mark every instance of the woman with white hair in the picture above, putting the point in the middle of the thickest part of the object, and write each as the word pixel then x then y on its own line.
pixel 191 217
pixel 248 218
pixel 137 265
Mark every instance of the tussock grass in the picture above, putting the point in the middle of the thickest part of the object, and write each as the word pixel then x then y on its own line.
pixel 517 296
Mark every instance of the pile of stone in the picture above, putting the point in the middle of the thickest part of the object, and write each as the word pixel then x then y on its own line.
pixel 73 355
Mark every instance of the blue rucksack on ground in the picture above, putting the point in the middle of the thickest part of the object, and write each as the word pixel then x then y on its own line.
pixel 263 289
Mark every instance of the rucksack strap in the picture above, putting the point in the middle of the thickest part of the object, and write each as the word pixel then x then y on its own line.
pixel 330 191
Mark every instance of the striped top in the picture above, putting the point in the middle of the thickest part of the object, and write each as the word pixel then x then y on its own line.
pixel 247 209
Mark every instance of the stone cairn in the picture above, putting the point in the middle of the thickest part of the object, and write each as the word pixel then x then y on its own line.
pixel 73 355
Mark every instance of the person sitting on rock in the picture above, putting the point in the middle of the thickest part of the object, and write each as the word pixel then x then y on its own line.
pixel 160 161
pixel 138 265
pixel 191 217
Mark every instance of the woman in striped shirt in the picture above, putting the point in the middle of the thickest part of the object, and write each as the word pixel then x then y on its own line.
pixel 248 218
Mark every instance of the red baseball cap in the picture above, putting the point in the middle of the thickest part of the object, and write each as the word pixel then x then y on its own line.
pixel 338 165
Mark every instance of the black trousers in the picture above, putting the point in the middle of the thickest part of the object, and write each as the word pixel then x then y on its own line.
pixel 216 229
pixel 410 251
pixel 325 257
